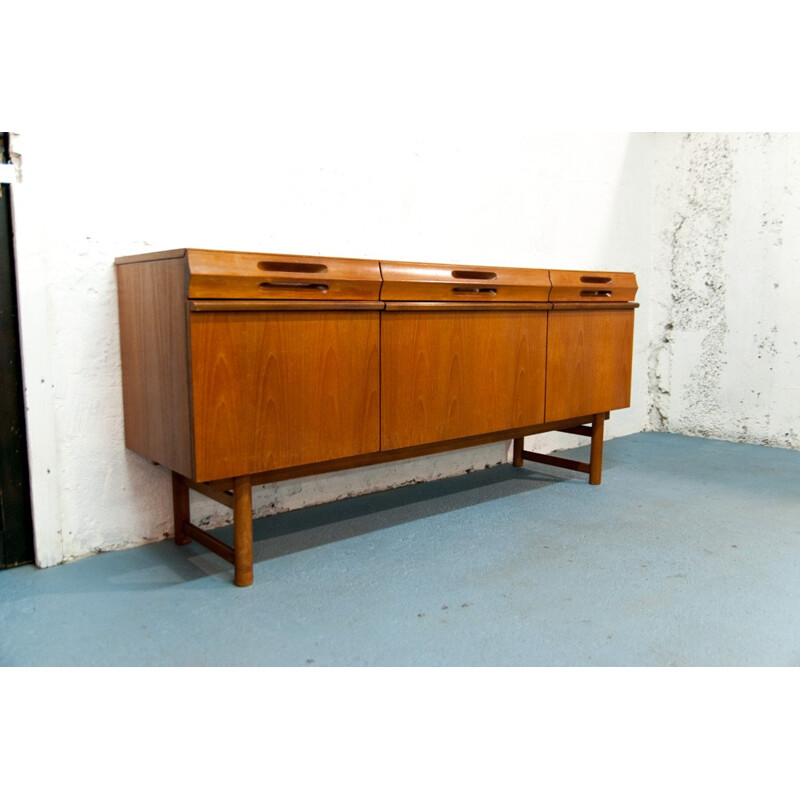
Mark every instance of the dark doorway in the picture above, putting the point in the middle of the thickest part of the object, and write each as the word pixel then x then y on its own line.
pixel 16 528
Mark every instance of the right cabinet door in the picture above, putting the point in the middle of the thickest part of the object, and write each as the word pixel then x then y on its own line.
pixel 589 355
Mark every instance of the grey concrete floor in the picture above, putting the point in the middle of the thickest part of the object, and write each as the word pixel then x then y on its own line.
pixel 688 554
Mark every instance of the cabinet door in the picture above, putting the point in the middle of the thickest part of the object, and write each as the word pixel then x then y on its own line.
pixel 588 362
pixel 274 389
pixel 452 374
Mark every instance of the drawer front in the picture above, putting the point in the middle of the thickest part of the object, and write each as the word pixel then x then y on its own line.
pixel 592 287
pixel 589 357
pixel 259 276
pixel 281 389
pixel 452 374
pixel 406 281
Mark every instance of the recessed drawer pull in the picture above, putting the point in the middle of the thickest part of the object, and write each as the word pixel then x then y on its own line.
pixel 288 266
pixel 596 293
pixel 473 275
pixel 473 290
pixel 316 287
pixel 595 279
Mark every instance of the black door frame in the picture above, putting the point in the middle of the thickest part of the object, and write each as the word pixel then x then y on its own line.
pixel 16 525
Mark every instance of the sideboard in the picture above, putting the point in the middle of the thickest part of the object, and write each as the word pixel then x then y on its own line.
pixel 240 369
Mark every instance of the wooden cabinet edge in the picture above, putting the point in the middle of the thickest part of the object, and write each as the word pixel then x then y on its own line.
pixel 155 361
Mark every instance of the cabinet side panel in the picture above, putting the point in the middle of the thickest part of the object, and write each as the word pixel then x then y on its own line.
pixel 451 374
pixel 284 388
pixel 589 357
pixel 154 353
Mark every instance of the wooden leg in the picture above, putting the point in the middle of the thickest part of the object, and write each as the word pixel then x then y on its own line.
pixel 180 508
pixel 243 531
pixel 596 456
pixel 517 453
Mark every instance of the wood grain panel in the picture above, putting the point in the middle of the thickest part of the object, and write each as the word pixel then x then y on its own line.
pixel 154 354
pixel 278 389
pixel 588 361
pixel 447 375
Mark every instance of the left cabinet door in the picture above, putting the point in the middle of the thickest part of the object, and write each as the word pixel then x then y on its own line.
pixel 274 389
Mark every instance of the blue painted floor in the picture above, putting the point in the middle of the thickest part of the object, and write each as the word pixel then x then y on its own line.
pixel 687 555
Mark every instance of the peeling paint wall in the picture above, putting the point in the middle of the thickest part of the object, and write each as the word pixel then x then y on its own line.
pixel 724 360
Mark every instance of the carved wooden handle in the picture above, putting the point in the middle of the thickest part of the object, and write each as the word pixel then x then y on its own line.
pixel 287 266
pixel 473 290
pixel 316 287
pixel 473 275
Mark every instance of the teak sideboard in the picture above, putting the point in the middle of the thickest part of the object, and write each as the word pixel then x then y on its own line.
pixel 246 368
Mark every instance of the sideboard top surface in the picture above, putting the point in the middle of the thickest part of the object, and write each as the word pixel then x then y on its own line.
pixel 235 275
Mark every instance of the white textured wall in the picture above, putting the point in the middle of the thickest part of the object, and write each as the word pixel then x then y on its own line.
pixel 332 129
pixel 542 200
pixel 708 221
pixel 724 353
pixel 322 128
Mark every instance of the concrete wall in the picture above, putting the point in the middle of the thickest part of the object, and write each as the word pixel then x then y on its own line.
pixel 724 352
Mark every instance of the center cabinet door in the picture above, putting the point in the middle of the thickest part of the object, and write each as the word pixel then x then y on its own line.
pixel 452 374
pixel 274 389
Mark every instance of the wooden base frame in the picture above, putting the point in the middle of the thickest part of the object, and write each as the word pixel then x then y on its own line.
pixel 236 493
pixel 593 467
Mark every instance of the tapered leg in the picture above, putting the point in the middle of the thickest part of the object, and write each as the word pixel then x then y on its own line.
pixel 517 452
pixel 243 531
pixel 180 508
pixel 596 452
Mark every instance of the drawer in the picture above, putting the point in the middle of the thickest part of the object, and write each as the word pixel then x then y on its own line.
pixel 222 275
pixel 592 287
pixel 406 281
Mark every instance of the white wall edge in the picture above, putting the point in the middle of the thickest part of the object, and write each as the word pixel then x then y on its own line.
pixel 33 299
